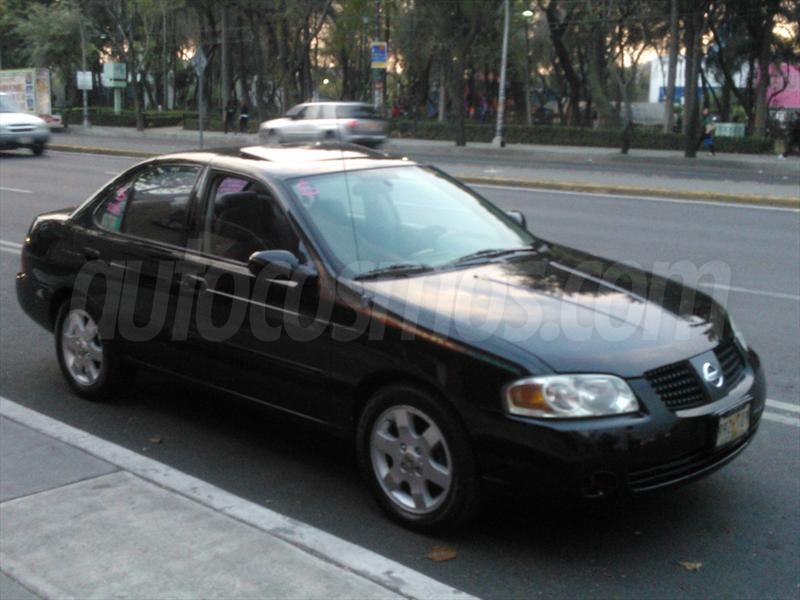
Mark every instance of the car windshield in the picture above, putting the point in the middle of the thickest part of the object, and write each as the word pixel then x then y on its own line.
pixel 397 220
pixel 7 104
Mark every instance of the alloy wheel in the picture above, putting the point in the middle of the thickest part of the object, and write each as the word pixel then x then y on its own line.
pixel 411 459
pixel 81 347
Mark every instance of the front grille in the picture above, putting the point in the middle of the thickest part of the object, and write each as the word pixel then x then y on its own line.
pixel 20 128
pixel 731 362
pixel 677 385
pixel 680 387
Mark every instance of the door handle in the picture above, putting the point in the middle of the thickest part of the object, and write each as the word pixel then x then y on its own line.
pixel 91 253
pixel 195 282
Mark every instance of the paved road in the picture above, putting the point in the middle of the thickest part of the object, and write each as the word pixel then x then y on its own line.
pixel 742 523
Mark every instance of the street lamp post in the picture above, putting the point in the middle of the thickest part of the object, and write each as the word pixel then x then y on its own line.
pixel 501 101
pixel 86 123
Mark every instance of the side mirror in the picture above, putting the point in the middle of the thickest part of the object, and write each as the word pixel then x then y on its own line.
pixel 518 217
pixel 282 265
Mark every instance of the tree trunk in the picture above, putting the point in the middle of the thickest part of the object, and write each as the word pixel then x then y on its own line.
pixel 606 114
pixel 557 30
pixel 225 58
pixel 457 99
pixel 762 84
pixel 672 68
pixel 442 96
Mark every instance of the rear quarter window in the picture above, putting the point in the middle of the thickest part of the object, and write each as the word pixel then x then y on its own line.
pixel 356 111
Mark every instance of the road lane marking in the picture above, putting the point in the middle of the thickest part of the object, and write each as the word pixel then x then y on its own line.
pixel 733 288
pixel 16 190
pixel 341 553
pixel 10 243
pixel 637 198
pixel 9 250
pixel 781 419
pixel 783 406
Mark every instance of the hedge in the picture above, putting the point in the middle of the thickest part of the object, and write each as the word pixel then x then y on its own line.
pixel 104 116
pixel 642 137
pixel 216 124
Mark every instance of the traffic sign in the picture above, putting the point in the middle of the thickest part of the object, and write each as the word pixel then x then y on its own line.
pixel 380 54
pixel 115 75
pixel 84 80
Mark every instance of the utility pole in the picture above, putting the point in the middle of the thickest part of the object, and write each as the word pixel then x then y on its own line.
pixel 501 101
pixel 528 14
pixel 377 94
pixel 86 123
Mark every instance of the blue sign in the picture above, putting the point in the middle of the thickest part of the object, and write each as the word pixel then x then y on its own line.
pixel 379 54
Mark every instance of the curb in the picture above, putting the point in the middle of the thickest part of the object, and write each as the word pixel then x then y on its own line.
pixel 587 188
pixel 625 190
pixel 107 151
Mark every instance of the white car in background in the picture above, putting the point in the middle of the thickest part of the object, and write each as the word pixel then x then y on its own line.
pixel 18 129
pixel 352 122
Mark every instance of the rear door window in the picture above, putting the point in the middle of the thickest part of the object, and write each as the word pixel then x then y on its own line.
pixel 153 205
pixel 314 111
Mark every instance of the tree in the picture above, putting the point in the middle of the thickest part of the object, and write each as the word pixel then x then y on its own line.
pixel 52 40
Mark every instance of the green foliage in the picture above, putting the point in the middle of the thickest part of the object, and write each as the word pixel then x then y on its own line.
pixel 51 36
pixel 103 116
pixel 216 124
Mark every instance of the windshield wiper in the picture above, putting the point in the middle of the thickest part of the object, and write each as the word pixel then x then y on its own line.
pixel 490 253
pixel 399 269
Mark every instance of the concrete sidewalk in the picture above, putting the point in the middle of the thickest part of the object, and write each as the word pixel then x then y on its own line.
pixel 83 518
pixel 759 179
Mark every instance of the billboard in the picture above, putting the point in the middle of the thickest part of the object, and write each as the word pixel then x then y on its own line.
pixel 30 88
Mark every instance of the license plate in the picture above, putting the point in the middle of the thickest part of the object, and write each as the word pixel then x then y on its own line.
pixel 733 426
pixel 26 140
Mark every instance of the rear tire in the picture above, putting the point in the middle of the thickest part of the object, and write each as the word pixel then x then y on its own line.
pixel 90 364
pixel 414 454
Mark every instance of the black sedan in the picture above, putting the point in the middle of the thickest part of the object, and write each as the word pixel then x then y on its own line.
pixel 385 301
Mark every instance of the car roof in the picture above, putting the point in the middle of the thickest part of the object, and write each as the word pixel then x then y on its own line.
pixel 294 160
pixel 338 103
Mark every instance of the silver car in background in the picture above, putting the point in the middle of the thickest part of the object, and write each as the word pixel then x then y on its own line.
pixel 18 129
pixel 353 122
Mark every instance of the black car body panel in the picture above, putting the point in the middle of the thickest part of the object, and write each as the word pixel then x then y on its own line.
pixel 430 329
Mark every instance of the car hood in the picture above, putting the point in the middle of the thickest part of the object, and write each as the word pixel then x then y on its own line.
pixel 18 118
pixel 569 310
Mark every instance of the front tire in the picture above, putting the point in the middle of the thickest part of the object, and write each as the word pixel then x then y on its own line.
pixel 89 363
pixel 414 454
pixel 37 149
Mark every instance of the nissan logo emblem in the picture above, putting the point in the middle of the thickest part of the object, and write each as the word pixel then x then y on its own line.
pixel 712 375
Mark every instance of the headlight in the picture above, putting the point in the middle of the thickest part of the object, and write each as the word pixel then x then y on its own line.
pixel 569 396
pixel 737 333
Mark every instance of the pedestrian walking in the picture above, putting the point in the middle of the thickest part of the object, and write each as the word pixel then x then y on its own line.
pixel 244 110
pixel 709 125
pixel 229 112
pixel 793 139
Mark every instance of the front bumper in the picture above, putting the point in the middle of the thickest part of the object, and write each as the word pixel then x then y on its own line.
pixel 632 453
pixel 23 139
